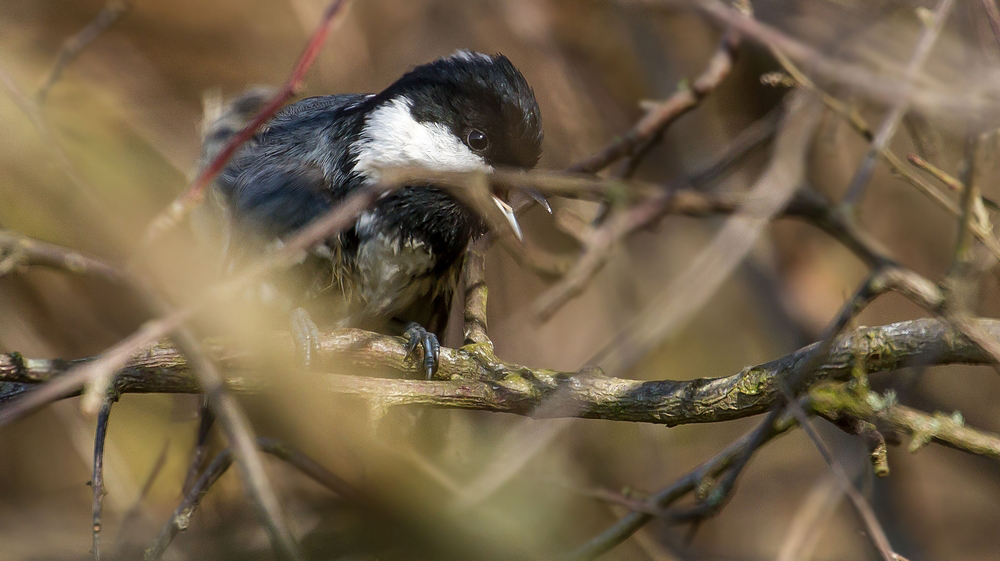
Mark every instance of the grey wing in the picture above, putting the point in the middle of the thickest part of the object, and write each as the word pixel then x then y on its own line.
pixel 317 104
pixel 268 203
pixel 267 192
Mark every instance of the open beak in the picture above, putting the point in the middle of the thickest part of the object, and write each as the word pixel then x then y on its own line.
pixel 508 213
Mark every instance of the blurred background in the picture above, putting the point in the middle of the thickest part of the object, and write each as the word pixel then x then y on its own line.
pixel 127 114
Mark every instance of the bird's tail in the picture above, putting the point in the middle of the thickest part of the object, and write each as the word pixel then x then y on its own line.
pixel 222 120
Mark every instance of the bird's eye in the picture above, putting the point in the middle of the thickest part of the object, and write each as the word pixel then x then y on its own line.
pixel 477 140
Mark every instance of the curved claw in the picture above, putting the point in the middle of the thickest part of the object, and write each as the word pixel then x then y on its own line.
pixel 306 336
pixel 416 336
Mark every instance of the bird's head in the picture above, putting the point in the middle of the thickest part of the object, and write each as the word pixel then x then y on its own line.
pixel 468 111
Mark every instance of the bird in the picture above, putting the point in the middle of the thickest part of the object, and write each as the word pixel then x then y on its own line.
pixel 396 269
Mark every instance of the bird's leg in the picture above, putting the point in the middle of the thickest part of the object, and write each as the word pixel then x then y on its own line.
pixel 306 337
pixel 417 336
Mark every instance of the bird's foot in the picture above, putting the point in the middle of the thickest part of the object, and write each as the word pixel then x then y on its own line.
pixel 417 336
pixel 306 337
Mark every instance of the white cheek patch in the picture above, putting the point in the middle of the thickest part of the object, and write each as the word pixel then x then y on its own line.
pixel 392 137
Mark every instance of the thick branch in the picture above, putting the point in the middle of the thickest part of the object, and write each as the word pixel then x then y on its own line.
pixel 472 381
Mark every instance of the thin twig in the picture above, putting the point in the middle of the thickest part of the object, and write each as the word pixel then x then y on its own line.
pixel 874 84
pixel 600 242
pixel 887 129
pixel 939 174
pixel 181 517
pixel 97 479
pixel 658 118
pixel 206 420
pixel 240 435
pixel 733 458
pixel 30 252
pixel 628 500
pixel 960 279
pixel 195 192
pixel 858 123
pixel 599 246
pixel 73 46
pixel 649 130
pixel 690 290
pixel 99 373
pixel 982 231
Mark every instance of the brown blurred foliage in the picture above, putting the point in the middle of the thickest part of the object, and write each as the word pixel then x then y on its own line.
pixel 127 113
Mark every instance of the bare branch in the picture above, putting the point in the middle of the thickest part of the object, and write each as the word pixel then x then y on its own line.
pixel 470 383
pixel 241 437
pixel 888 128
pixel 181 517
pixel 193 195
pixel 836 403
pixel 98 373
pixel 29 252
pixel 600 242
pixel 651 127
pixel 939 174
pixel 690 290
pixel 983 230
pixel 476 292
pixel 73 46
pixel 875 85
pixel 731 461
pixel 97 481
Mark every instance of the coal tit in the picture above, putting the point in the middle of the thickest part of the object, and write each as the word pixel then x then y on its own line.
pixel 396 270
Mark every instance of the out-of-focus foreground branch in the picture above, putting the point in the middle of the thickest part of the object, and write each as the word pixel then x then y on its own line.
pixel 474 380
